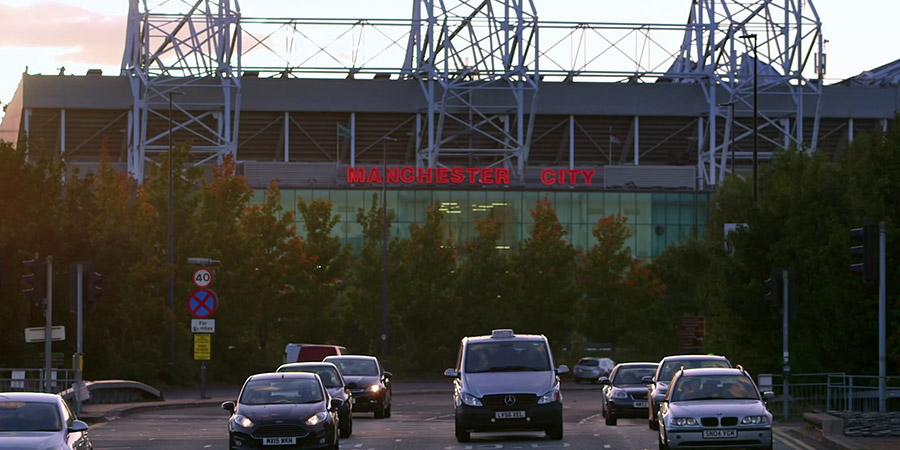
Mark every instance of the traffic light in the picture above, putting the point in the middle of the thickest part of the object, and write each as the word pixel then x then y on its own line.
pixel 35 281
pixel 865 237
pixel 773 293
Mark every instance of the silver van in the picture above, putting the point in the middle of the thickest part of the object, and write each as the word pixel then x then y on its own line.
pixel 506 382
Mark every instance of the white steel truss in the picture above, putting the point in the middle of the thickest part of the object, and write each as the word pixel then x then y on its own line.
pixel 181 47
pixel 477 63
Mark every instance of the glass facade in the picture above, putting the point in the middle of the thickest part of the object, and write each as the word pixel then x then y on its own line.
pixel 656 219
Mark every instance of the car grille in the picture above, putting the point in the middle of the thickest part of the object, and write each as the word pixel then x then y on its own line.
pixel 714 421
pixel 281 430
pixel 498 402
pixel 639 395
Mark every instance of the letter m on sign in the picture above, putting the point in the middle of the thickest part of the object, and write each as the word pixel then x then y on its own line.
pixel 356 175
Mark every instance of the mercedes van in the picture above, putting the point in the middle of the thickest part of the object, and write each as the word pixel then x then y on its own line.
pixel 506 382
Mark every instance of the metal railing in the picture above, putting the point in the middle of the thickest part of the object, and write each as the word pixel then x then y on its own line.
pixel 33 380
pixel 826 392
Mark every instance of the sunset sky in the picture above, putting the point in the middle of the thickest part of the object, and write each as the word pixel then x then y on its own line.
pixel 82 34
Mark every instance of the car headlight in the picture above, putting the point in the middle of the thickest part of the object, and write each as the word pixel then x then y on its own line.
pixel 469 399
pixel 243 421
pixel 374 388
pixel 551 396
pixel 619 393
pixel 754 420
pixel 318 417
pixel 684 422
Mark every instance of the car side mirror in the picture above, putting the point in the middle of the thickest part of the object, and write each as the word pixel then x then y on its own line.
pixel 605 381
pixel 228 406
pixel 451 373
pixel 768 396
pixel 647 380
pixel 336 404
pixel 78 426
pixel 352 385
pixel 387 374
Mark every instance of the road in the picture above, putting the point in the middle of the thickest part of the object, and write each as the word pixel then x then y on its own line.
pixel 419 421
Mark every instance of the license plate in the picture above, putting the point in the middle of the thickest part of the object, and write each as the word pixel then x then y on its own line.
pixel 640 405
pixel 510 414
pixel 279 441
pixel 353 400
pixel 719 434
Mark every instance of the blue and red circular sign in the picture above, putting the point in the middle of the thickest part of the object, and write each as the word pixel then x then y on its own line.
pixel 202 303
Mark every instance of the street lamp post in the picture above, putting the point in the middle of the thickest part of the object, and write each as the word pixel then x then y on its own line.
pixel 170 297
pixel 384 253
pixel 755 114
pixel 731 128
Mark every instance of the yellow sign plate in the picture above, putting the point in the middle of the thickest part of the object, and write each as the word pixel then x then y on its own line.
pixel 202 347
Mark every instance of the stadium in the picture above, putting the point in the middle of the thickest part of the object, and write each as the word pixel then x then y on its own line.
pixel 478 106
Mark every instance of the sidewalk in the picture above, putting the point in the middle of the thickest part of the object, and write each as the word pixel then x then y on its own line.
pixel 826 429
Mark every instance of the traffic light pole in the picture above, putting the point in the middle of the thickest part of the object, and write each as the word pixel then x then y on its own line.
pixel 882 294
pixel 78 346
pixel 48 326
pixel 785 312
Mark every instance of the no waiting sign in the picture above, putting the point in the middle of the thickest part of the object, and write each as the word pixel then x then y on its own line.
pixel 202 303
pixel 202 277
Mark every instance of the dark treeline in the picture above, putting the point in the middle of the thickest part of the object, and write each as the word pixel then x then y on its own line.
pixel 275 286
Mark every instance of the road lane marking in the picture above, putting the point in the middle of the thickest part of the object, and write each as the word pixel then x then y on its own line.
pixel 589 418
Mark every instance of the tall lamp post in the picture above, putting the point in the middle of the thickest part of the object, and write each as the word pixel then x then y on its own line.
pixel 384 252
pixel 731 127
pixel 170 297
pixel 755 114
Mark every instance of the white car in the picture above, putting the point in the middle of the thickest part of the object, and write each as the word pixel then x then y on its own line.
pixel 714 408
pixel 40 421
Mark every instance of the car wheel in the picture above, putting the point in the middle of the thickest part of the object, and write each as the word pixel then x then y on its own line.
pixel 651 422
pixel 611 419
pixel 578 381
pixel 379 414
pixel 659 441
pixel 555 432
pixel 462 435
pixel 346 426
pixel 387 411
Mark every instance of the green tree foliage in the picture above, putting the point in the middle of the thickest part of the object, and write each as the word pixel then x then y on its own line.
pixel 421 296
pixel 544 270
pixel 483 284
pixel 619 293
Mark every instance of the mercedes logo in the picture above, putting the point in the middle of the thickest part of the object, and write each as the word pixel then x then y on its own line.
pixel 509 400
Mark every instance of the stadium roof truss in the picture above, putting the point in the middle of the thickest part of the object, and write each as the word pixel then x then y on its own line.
pixel 479 64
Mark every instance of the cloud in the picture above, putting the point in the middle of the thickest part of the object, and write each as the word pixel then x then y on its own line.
pixel 84 36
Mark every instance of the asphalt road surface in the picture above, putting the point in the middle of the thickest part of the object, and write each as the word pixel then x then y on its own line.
pixel 418 421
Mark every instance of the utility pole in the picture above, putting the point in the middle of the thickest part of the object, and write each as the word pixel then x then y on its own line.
pixel 384 252
pixel 882 318
pixel 170 296
pixel 48 325
pixel 755 115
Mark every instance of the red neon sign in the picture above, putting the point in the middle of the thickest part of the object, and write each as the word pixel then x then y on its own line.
pixel 461 175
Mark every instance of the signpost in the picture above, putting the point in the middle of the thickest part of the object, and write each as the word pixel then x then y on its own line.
pixel 38 334
pixel 202 303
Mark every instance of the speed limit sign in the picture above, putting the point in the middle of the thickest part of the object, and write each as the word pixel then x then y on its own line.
pixel 202 277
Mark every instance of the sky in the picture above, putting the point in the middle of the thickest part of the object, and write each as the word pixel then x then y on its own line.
pixel 43 36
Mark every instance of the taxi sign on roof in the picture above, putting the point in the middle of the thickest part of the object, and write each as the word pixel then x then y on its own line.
pixel 503 333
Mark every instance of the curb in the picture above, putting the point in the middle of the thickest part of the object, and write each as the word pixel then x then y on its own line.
pixel 830 429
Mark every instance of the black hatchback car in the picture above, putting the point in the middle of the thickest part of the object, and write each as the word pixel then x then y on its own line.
pixel 334 383
pixel 283 410
pixel 624 392
pixel 369 383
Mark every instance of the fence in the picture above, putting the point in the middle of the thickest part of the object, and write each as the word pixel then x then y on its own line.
pixel 32 380
pixel 826 392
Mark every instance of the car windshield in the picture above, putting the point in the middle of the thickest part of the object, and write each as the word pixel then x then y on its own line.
pixel 606 363
pixel 29 416
pixel 328 374
pixel 281 390
pixel 671 367
pixel 507 356
pixel 589 363
pixel 631 375
pixel 356 367
pixel 719 387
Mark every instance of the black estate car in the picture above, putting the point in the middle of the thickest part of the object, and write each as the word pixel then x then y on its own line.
pixel 334 383
pixel 369 383
pixel 624 392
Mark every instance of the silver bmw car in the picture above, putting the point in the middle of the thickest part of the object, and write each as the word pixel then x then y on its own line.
pixel 720 408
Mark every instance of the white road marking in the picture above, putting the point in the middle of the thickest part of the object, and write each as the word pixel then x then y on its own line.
pixel 589 418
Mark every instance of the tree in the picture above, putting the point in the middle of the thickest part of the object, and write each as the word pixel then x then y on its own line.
pixel 620 294
pixel 544 269
pixel 484 281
